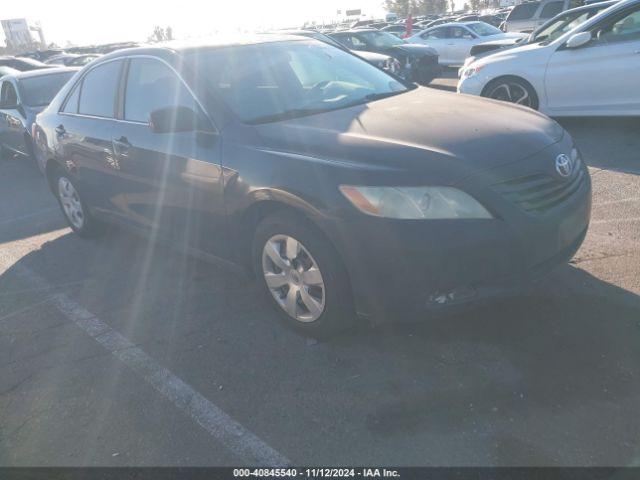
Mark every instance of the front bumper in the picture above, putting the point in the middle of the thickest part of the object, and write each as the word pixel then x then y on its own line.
pixel 470 85
pixel 400 267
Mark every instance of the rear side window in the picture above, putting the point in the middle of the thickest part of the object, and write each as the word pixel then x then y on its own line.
pixel 97 97
pixel 552 9
pixel 152 85
pixel 8 95
pixel 71 106
pixel 523 11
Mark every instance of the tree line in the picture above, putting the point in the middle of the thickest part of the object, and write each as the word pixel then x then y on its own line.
pixel 435 7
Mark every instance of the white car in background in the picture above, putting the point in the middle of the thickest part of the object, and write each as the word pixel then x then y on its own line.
pixel 453 41
pixel 594 69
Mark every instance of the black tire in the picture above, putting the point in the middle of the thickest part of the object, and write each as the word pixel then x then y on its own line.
pixel 90 226
pixel 338 314
pixel 513 90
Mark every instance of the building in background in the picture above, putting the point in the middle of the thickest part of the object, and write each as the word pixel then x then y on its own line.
pixel 21 35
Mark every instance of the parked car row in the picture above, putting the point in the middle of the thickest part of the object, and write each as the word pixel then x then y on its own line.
pixel 22 96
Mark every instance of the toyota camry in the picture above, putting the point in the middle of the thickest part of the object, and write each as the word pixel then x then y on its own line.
pixel 343 189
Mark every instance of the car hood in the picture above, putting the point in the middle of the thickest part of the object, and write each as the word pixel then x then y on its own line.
pixel 517 52
pixel 426 130
pixel 371 56
pixel 502 41
pixel 415 50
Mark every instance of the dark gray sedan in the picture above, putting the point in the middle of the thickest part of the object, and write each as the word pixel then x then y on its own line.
pixel 22 96
pixel 343 189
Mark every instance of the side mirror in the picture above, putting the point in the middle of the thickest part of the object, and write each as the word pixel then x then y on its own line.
pixel 174 120
pixel 578 40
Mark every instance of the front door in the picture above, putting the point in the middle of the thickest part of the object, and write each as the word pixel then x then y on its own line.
pixel 601 76
pixel 169 183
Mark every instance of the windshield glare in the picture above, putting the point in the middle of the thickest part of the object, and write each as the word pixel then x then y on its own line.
pixel 39 91
pixel 484 29
pixel 265 82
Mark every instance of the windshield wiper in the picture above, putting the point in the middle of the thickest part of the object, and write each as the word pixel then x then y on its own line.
pixel 377 96
pixel 302 112
pixel 287 114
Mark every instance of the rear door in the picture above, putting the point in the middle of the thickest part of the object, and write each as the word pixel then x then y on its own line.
pixel 84 134
pixel 602 76
pixel 170 183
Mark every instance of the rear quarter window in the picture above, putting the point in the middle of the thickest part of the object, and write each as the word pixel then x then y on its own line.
pixel 552 9
pixel 523 11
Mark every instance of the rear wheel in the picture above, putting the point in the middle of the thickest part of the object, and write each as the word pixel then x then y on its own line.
pixel 302 275
pixel 513 90
pixel 73 207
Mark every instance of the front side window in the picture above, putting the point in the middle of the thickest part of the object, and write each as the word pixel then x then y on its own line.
pixel 624 28
pixel 39 91
pixel 271 81
pixel 460 33
pixel 98 94
pixel 151 85
pixel 552 9
pixel 436 33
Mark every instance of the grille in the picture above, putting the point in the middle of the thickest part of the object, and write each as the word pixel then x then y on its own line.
pixel 540 192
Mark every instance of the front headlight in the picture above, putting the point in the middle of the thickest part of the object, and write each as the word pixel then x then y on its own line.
pixel 414 203
pixel 472 70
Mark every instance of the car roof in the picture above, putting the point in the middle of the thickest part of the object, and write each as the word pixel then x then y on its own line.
pixel 43 71
pixel 359 30
pixel 591 6
pixel 184 46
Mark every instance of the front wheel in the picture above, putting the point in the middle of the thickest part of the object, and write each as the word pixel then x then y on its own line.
pixel 513 90
pixel 302 275
pixel 74 208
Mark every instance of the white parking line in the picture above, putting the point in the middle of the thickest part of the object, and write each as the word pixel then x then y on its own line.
pixel 243 443
pixel 29 215
pixel 615 220
pixel 613 202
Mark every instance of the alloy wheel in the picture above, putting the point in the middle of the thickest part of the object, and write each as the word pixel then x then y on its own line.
pixel 70 201
pixel 293 278
pixel 511 92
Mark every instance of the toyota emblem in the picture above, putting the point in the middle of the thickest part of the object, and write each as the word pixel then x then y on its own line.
pixel 564 165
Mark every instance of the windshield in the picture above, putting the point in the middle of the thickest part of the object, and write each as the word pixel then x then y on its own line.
pixel 272 81
pixel 39 91
pixel 380 39
pixel 484 29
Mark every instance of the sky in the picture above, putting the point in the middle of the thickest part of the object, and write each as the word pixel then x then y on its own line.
pixel 89 21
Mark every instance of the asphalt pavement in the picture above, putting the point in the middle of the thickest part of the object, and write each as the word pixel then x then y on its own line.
pixel 117 352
